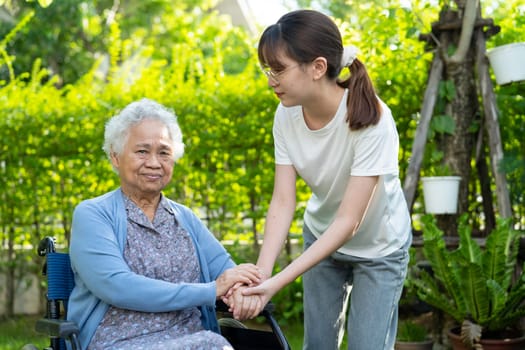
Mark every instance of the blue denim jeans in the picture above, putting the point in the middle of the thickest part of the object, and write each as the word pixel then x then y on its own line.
pixel 372 288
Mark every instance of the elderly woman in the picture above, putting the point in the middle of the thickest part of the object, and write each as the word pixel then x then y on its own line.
pixel 147 270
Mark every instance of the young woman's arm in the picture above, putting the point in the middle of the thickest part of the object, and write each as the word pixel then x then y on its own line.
pixel 279 217
pixel 349 215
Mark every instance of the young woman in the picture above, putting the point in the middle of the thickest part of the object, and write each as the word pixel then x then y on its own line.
pixel 342 140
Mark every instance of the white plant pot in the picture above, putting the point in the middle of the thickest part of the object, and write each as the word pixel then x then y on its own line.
pixel 508 62
pixel 441 194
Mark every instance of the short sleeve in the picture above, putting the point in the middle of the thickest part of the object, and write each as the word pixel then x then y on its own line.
pixel 375 153
pixel 281 151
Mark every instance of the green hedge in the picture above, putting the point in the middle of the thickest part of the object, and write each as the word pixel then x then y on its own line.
pixel 205 70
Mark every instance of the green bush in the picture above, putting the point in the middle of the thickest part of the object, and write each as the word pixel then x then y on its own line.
pixel 190 59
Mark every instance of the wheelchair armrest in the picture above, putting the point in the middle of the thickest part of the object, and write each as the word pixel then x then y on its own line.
pixel 57 328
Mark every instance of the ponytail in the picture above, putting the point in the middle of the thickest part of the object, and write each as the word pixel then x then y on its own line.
pixel 363 108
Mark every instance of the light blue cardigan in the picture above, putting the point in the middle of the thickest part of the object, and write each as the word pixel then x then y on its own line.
pixel 102 277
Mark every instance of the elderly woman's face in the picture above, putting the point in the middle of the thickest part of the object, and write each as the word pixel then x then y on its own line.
pixel 146 164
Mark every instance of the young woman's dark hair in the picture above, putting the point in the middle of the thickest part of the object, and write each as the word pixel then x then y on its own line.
pixel 305 35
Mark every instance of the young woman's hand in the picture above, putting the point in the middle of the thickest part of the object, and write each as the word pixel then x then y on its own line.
pixel 265 291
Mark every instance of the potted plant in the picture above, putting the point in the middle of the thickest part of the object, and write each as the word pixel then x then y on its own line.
pixel 412 336
pixel 477 287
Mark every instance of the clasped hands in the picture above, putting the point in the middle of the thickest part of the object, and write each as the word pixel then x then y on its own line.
pixel 232 288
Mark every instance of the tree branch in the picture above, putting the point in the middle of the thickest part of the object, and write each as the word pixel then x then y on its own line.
pixel 469 19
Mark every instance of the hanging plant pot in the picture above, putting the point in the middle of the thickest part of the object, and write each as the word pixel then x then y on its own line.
pixel 507 62
pixel 441 194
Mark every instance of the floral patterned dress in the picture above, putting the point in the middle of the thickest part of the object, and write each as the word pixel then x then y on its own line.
pixel 162 250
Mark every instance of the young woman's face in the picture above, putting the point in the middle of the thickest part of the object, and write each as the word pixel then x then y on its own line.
pixel 289 82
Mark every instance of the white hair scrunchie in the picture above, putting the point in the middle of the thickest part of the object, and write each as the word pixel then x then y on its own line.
pixel 349 55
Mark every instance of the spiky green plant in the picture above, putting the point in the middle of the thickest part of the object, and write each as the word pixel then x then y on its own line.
pixel 410 331
pixel 476 286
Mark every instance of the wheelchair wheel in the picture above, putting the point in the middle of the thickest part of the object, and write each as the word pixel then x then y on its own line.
pixel 231 322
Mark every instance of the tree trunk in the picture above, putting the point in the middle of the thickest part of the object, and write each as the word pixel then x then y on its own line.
pixel 464 109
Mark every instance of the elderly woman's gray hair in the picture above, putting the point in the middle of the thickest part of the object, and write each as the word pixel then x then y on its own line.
pixel 117 128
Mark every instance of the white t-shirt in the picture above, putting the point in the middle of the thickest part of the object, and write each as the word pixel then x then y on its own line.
pixel 326 158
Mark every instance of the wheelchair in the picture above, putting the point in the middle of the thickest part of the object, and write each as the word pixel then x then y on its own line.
pixel 60 283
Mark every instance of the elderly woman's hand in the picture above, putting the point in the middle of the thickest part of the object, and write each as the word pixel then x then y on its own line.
pixel 248 274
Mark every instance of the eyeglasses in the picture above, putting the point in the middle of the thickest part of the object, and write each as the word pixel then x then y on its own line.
pixel 271 74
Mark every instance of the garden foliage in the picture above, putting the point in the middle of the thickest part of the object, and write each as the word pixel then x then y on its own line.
pixel 56 95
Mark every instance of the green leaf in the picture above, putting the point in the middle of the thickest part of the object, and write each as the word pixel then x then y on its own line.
pixel 470 282
pixel 443 124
